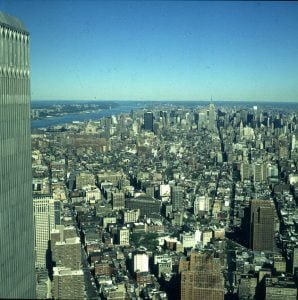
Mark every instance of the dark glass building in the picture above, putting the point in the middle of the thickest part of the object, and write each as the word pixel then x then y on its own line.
pixel 261 225
pixel 148 121
pixel 17 270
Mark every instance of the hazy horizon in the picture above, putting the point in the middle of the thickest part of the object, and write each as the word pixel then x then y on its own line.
pixel 169 100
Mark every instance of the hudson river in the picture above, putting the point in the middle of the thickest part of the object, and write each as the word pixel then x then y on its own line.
pixel 122 107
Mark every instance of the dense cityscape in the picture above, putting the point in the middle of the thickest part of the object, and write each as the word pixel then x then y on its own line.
pixel 172 203
pixel 138 199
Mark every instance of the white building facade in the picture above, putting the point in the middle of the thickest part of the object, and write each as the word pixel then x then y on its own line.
pixel 46 216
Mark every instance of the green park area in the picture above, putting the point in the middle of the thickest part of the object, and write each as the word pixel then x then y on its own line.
pixel 147 240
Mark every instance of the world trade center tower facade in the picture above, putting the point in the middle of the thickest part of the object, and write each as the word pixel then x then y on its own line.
pixel 17 278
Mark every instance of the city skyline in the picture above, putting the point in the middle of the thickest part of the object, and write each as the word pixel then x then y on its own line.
pixel 161 50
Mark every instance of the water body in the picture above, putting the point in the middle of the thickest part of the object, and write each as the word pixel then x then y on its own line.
pixel 127 106
pixel 122 107
pixel 117 108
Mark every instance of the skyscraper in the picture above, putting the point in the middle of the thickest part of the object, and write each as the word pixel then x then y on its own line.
pixel 202 119
pixel 211 117
pixel 261 225
pixel 202 278
pixel 177 193
pixel 148 121
pixel 17 274
pixel 46 217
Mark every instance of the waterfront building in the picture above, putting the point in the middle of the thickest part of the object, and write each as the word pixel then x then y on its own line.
pixel 17 274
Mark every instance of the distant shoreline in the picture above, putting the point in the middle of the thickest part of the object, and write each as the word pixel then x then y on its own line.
pixel 146 101
pixel 127 106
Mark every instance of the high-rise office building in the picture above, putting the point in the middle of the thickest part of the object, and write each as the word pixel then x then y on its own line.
pixel 68 253
pixel 68 283
pixel 140 261
pixel 177 194
pixel 261 225
pixel 60 234
pixel 118 201
pixel 148 121
pixel 245 171
pixel 130 216
pixel 258 173
pixel 202 119
pixel 123 236
pixel 17 271
pixel 201 204
pixel 202 278
pixel 212 124
pixel 46 217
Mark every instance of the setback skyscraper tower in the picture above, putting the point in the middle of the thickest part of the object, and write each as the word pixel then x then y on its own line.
pixel 17 274
pixel 212 117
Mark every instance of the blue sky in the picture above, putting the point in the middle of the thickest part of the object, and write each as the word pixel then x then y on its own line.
pixel 168 50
